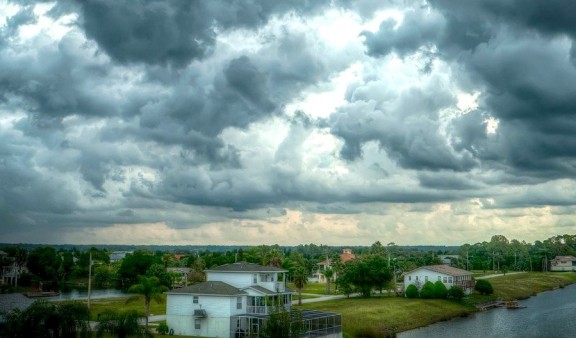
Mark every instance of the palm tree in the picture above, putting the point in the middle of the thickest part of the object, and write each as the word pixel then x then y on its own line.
pixel 328 274
pixel 150 289
pixel 122 324
pixel 300 278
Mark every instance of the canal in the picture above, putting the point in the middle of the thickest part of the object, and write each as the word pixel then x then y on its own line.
pixel 550 314
pixel 83 294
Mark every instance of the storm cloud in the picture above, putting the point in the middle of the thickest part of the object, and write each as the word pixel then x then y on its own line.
pixel 198 120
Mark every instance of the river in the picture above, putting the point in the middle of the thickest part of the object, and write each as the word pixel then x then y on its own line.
pixel 550 314
pixel 83 294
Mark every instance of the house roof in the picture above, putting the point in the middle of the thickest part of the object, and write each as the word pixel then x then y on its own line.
pixel 445 269
pixel 245 267
pixel 565 258
pixel 209 288
pixel 261 290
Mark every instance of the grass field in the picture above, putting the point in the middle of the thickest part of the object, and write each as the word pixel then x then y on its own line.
pixel 524 285
pixel 119 304
pixel 315 288
pixel 377 317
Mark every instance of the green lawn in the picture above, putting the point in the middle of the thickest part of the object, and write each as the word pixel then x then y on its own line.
pixel 315 288
pixel 524 285
pixel 119 304
pixel 378 316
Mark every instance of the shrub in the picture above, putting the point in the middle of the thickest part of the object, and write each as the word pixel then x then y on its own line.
pixel 484 287
pixel 427 291
pixel 456 292
pixel 440 290
pixel 412 291
pixel 163 328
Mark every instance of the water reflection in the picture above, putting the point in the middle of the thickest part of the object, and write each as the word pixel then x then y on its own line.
pixel 549 314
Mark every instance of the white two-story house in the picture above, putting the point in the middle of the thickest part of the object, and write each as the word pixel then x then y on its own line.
pixel 235 301
pixel 448 275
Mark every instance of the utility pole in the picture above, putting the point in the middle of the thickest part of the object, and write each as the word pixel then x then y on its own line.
pixel 89 279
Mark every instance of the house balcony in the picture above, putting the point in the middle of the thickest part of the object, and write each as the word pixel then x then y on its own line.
pixel 273 286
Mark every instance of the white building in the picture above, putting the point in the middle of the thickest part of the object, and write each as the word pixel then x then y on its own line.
pixel 563 263
pixel 319 277
pixel 446 274
pixel 235 301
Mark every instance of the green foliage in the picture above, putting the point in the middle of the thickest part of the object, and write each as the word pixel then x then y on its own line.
pixel 43 262
pixel 159 271
pixel 121 324
pixel 300 278
pixel 48 319
pixel 136 264
pixel 163 328
pixel 150 288
pixel 412 291
pixel 456 292
pixel 484 287
pixel 365 274
pixel 440 290
pixel 283 323
pixel 427 291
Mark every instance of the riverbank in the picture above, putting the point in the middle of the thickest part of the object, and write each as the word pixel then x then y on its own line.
pixel 382 316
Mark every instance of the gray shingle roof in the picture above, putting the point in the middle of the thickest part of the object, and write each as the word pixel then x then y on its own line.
pixel 262 290
pixel 209 288
pixel 445 269
pixel 245 267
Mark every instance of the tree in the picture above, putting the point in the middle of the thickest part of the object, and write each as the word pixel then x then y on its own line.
pixel 134 265
pixel 328 274
pixel 150 289
pixel 283 323
pixel 300 279
pixel 49 319
pixel 412 291
pixel 484 287
pixel 365 274
pixel 159 271
pixel 121 324
pixel 455 292
pixel 440 290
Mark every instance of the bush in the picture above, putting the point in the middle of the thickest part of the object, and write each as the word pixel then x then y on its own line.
pixel 163 328
pixel 456 292
pixel 484 287
pixel 412 291
pixel 440 290
pixel 427 291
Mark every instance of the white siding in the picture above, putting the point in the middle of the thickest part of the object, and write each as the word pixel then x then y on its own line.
pixel 239 280
pixel 180 315
pixel 421 276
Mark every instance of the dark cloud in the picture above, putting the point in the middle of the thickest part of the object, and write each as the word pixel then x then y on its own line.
pixel 175 32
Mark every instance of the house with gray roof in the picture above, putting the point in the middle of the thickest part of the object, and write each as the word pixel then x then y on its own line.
pixel 235 301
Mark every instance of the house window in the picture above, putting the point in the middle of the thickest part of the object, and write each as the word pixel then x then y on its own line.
pixel 439 278
pixel 416 277
pixel 197 324
pixel 449 279
pixel 238 303
pixel 409 277
pixel 445 280
pixel 195 299
pixel 255 276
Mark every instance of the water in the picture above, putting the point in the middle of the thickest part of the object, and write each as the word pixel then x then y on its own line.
pixel 549 314
pixel 76 294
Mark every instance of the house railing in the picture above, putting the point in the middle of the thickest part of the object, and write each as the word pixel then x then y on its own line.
pixel 257 309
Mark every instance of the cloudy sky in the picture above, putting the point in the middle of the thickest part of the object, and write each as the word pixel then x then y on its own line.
pixel 249 122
